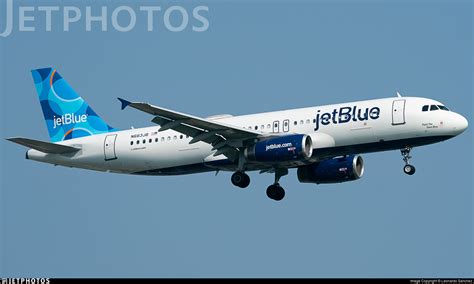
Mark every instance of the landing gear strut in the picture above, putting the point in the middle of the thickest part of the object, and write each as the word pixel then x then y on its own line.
pixel 275 191
pixel 408 169
pixel 240 179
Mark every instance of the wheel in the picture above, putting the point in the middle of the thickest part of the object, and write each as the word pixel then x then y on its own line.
pixel 246 181
pixel 280 194
pixel 409 169
pixel 275 192
pixel 271 191
pixel 240 179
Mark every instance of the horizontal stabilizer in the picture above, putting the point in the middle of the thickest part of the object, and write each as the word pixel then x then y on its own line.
pixel 44 147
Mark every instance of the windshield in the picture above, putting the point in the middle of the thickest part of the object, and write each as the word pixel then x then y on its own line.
pixel 434 107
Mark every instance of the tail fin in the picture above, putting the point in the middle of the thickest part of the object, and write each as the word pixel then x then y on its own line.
pixel 66 114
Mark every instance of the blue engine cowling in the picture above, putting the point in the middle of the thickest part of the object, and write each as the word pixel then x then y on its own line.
pixel 335 170
pixel 281 149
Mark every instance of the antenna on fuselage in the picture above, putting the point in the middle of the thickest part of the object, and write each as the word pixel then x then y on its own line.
pixel 398 94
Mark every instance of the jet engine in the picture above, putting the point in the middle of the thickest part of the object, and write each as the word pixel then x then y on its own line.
pixel 281 149
pixel 336 170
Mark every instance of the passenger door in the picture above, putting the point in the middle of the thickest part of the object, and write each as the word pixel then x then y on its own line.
pixel 398 112
pixel 109 147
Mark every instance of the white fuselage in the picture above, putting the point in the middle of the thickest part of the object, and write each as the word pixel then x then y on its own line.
pixel 340 129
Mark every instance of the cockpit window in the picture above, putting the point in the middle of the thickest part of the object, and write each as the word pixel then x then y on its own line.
pixel 434 107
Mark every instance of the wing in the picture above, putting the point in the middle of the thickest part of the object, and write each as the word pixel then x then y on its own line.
pixel 45 147
pixel 225 139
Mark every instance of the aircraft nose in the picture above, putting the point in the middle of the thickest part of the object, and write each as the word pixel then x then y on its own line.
pixel 460 124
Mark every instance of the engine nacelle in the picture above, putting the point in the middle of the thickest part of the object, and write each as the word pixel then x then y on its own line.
pixel 335 170
pixel 281 149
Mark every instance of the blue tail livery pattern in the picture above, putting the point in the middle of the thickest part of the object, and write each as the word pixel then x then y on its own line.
pixel 67 115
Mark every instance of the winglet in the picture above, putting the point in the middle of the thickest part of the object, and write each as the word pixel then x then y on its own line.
pixel 125 103
pixel 398 94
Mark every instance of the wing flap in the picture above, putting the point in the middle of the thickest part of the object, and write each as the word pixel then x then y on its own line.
pixel 45 147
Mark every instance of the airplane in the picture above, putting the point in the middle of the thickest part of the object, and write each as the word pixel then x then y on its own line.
pixel 323 143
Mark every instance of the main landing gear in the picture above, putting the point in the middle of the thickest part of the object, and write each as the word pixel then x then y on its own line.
pixel 240 179
pixel 275 191
pixel 408 169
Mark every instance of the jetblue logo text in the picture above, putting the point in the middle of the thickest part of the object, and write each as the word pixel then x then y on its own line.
pixel 278 146
pixel 346 114
pixel 103 18
pixel 68 118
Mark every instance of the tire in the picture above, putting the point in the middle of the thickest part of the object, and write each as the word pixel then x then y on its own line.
pixel 275 192
pixel 240 179
pixel 246 181
pixel 271 191
pixel 280 193
pixel 409 170
pixel 236 178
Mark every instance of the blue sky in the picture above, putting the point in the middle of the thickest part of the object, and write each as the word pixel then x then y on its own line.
pixel 255 56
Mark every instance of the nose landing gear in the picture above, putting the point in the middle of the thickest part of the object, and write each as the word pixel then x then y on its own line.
pixel 408 169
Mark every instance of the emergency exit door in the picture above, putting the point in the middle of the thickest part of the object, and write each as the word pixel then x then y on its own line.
pixel 276 126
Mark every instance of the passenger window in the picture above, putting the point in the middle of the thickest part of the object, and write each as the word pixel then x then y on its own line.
pixel 169 138
pixel 425 108
pixel 138 142
pixel 301 122
pixel 433 107
pixel 162 139
pixel 307 121
pixel 144 141
pixel 256 127
pixel 131 142
pixel 269 126
pixel 180 136
pixel 262 127
pixel 156 140
pixel 296 122
pixel 151 140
